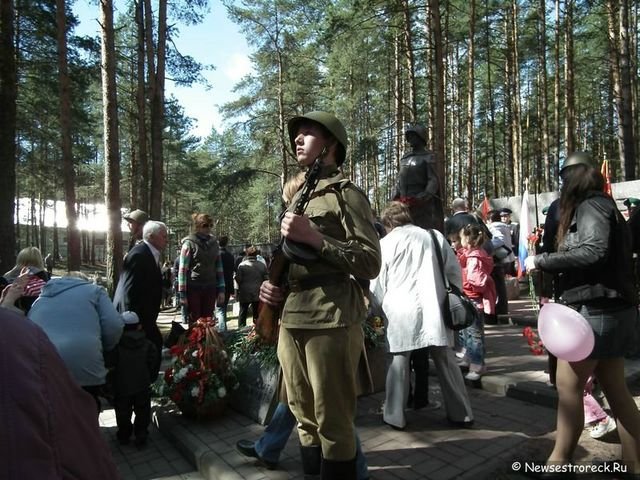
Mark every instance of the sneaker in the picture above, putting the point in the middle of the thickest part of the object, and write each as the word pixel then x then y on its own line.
pixel 247 448
pixel 462 362
pixel 603 427
pixel 473 376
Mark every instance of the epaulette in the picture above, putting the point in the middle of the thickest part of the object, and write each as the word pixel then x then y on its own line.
pixel 344 183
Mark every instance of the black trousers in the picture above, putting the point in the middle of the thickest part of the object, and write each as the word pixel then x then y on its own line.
pixel 244 310
pixel 125 405
pixel 498 273
pixel 419 363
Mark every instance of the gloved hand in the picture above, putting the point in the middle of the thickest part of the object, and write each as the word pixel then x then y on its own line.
pixel 529 264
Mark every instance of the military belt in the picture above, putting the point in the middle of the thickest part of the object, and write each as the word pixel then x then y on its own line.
pixel 320 280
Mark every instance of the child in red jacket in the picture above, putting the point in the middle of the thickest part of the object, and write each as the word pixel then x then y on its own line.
pixel 478 285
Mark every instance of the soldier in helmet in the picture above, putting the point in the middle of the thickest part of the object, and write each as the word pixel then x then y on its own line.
pixel 418 185
pixel 320 339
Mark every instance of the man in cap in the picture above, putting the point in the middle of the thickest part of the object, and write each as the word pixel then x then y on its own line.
pixel 320 338
pixel 418 185
pixel 632 204
pixel 136 220
pixel 505 217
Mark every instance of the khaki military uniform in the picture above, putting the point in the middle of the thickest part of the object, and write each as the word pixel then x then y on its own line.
pixel 321 334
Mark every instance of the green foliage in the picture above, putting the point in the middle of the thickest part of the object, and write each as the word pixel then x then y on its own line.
pixel 347 56
pixel 244 345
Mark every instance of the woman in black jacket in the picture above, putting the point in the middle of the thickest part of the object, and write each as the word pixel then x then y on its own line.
pixel 593 264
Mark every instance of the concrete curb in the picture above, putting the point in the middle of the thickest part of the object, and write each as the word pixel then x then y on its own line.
pixel 212 451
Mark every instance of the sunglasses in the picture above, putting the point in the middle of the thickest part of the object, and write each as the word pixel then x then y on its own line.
pixel 206 225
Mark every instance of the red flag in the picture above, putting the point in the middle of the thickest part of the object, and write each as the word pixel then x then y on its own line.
pixel 607 177
pixel 484 208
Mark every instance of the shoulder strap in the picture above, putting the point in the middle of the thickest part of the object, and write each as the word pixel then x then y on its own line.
pixel 439 255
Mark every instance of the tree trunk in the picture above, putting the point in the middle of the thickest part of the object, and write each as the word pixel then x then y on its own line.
pixel 157 110
pixel 398 107
pixel 411 67
pixel 556 97
pixel 42 208
pixel 439 127
pixel 509 183
pixel 471 98
pixel 518 169
pixel 111 145
pixel 8 95
pixel 142 183
pixel 569 84
pixel 56 239
pixel 492 109
pixel 544 101
pixel 618 21
pixel 282 126
pixel 68 168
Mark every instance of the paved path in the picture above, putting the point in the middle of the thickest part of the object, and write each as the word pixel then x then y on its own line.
pixel 506 430
pixel 159 459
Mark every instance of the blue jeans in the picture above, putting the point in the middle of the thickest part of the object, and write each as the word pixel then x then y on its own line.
pixel 221 314
pixel 474 342
pixel 275 437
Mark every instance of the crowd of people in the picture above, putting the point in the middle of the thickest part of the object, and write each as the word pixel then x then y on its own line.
pixel 398 265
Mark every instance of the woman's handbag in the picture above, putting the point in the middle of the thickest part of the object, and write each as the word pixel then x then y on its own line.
pixel 459 311
pixel 501 252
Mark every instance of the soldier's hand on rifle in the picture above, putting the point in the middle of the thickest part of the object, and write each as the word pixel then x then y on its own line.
pixel 270 294
pixel 300 229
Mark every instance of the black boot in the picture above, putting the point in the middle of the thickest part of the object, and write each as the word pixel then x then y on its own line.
pixel 311 457
pixel 338 470
pixel 177 330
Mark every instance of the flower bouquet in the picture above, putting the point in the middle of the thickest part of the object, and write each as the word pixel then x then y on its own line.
pixel 246 345
pixel 200 376
pixel 535 344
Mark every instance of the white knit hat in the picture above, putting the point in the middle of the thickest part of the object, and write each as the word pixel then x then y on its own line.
pixel 130 318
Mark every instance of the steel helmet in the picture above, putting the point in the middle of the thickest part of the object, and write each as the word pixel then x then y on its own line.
pixel 329 122
pixel 578 158
pixel 418 130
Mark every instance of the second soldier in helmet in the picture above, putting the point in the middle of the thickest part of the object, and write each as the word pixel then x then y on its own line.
pixel 418 185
